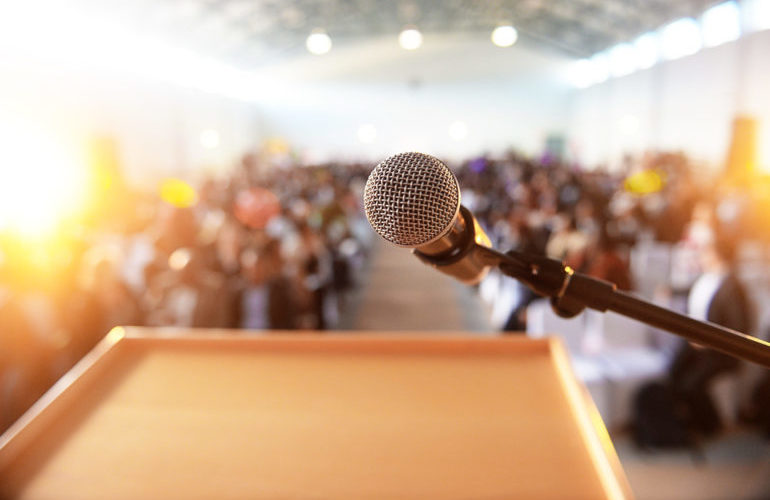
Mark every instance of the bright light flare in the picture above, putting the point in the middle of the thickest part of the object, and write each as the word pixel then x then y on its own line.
pixel 42 180
pixel 505 36
pixel 680 38
pixel 579 74
pixel 587 72
pixel 647 49
pixel 318 43
pixel 721 24
pixel 756 14
pixel 622 59
pixel 410 38
pixel 600 67
pixel 73 39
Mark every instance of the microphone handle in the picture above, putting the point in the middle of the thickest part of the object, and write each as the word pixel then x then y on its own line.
pixel 571 292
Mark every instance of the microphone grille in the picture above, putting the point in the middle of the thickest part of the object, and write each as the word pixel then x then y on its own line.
pixel 411 199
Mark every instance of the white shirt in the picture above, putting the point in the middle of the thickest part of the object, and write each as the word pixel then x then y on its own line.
pixel 254 303
pixel 702 293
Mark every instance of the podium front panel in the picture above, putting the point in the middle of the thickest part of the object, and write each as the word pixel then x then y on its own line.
pixel 313 417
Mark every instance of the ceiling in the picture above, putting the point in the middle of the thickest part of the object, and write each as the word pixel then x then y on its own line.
pixel 254 33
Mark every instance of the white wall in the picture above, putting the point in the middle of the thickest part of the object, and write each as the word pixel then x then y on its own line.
pixel 507 97
pixel 687 104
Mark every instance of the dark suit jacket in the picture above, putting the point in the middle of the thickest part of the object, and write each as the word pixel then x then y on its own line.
pixel 693 368
pixel 731 306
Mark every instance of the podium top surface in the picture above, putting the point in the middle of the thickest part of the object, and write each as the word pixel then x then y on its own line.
pixel 314 417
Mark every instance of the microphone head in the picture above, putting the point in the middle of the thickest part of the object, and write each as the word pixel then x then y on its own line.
pixel 411 199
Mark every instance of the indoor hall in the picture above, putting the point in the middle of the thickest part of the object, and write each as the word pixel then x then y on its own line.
pixel 384 249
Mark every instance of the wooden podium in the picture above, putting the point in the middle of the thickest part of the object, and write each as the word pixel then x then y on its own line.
pixel 208 414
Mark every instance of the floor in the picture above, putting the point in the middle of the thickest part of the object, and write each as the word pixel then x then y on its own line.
pixel 399 293
pixel 733 466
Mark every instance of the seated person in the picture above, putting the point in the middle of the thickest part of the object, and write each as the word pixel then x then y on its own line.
pixel 719 297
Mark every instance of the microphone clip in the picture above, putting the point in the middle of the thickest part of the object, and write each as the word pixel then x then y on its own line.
pixel 570 292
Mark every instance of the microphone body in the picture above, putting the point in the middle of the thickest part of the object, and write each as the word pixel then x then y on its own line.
pixel 458 253
pixel 413 201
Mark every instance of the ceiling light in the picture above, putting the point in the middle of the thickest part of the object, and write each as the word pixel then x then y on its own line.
pixel 756 14
pixel 647 49
pixel 318 42
pixel 680 38
pixel 580 74
pixel 721 24
pixel 504 36
pixel 621 59
pixel 410 38
pixel 600 68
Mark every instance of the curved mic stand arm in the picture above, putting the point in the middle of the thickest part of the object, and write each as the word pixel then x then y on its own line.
pixel 571 292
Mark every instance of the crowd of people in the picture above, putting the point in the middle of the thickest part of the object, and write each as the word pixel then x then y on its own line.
pixel 271 246
pixel 594 219
pixel 280 246
pixel 597 222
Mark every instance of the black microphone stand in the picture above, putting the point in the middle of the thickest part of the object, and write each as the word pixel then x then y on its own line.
pixel 572 292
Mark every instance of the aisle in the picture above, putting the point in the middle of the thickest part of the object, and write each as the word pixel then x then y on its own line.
pixel 401 293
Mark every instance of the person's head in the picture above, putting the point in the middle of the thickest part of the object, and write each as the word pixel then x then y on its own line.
pixel 719 253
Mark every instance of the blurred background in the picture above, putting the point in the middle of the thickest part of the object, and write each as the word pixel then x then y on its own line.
pixel 200 163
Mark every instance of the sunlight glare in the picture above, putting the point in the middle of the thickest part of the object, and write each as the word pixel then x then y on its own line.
pixel 42 181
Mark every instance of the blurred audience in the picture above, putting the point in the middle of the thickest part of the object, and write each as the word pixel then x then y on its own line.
pixel 718 296
pixel 278 245
pixel 664 229
pixel 269 247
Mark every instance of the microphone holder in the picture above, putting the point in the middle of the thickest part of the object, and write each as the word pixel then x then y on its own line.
pixel 571 292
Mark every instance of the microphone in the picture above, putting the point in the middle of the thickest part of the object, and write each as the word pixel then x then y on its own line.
pixel 413 200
